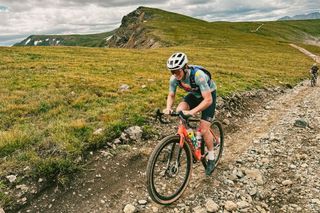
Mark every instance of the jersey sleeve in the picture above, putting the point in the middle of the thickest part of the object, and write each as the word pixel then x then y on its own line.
pixel 201 80
pixel 173 84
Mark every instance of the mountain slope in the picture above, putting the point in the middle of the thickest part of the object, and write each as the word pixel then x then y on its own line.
pixel 315 15
pixel 90 40
pixel 151 28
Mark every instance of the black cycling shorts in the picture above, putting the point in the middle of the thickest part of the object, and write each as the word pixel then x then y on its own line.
pixel 193 101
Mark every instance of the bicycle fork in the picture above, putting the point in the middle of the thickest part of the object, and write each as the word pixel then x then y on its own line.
pixel 172 168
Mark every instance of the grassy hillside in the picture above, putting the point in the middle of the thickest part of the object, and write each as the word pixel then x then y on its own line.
pixel 53 99
pixel 183 30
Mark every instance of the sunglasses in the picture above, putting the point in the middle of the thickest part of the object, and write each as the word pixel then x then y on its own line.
pixel 175 72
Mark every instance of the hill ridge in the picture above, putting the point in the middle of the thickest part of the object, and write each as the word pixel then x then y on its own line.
pixel 152 28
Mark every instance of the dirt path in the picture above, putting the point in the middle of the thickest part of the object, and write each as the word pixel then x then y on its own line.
pixel 316 58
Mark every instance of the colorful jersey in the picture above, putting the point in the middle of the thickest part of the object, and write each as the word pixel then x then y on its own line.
pixel 201 79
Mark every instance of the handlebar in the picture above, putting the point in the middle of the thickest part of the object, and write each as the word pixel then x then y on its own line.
pixel 183 117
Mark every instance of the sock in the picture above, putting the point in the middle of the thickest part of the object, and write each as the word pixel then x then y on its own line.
pixel 211 155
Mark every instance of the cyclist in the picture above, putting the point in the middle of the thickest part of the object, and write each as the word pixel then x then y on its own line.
pixel 314 70
pixel 201 97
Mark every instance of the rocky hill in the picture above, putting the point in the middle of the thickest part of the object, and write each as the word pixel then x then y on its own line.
pixel 132 33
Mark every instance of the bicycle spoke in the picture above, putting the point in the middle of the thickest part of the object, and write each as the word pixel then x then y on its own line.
pixel 170 174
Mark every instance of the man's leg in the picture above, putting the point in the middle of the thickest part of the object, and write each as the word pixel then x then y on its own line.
pixel 205 124
pixel 183 106
pixel 208 139
pixel 206 134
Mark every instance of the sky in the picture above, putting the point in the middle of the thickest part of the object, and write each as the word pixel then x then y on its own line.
pixel 21 18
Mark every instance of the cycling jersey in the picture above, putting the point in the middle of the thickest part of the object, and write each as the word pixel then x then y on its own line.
pixel 201 79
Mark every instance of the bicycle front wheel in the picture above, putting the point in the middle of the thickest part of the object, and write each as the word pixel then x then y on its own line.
pixel 218 142
pixel 168 170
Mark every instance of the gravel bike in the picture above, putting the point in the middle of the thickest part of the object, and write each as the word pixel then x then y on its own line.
pixel 170 164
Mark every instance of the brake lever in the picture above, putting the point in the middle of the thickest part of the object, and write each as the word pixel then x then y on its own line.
pixel 159 115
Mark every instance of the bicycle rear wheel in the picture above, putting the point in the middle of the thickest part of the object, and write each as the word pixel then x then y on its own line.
pixel 313 80
pixel 168 170
pixel 218 142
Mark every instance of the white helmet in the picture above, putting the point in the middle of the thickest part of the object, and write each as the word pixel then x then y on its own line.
pixel 177 61
pixel 315 64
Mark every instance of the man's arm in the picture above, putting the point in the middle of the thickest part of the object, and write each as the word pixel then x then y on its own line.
pixel 171 95
pixel 205 103
pixel 170 102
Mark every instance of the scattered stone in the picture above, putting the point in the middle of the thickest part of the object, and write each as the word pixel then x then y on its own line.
pixel 199 209
pixel 105 153
pixel 242 204
pixel 117 141
pixel 287 182
pixel 254 174
pixel 301 123
pixel 98 131
pixel 142 202
pixel 316 201
pixel 11 178
pixel 260 209
pixel 226 122
pixel 268 107
pixel 252 191
pixel 230 206
pixel 134 133
pixel 265 160
pixel 304 165
pixel 211 206
pixel 129 208
pixel 22 187
pixel 124 87
pixel 154 209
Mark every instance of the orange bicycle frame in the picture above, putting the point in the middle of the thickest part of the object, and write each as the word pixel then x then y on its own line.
pixel 182 132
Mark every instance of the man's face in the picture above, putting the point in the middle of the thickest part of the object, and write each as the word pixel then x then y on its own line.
pixel 178 74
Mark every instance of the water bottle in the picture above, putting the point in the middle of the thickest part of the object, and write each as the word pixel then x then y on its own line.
pixel 198 147
pixel 199 138
pixel 192 137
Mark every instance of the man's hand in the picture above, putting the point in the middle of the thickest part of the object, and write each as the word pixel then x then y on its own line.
pixel 167 111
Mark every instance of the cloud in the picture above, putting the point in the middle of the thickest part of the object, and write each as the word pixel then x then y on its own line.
pixel 95 16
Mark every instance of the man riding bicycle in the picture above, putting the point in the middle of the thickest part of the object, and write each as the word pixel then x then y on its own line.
pixel 201 97
pixel 314 70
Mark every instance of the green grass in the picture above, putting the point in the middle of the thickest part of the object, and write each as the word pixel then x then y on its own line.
pixel 4 199
pixel 312 48
pixel 54 98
